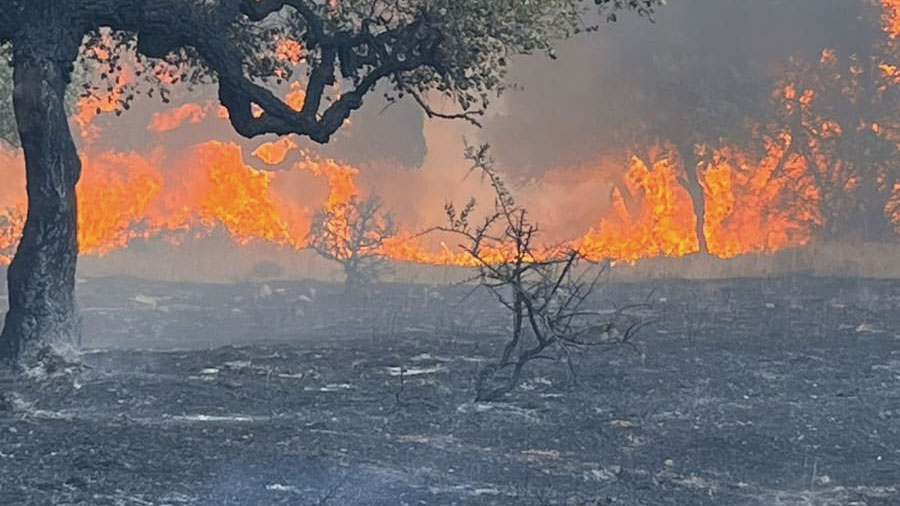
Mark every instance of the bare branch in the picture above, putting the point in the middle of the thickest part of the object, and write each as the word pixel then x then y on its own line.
pixel 431 113
pixel 544 293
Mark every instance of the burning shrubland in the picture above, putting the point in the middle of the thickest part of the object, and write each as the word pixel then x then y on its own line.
pixel 809 154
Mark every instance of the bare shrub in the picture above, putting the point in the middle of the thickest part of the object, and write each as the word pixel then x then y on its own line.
pixel 545 290
pixel 353 234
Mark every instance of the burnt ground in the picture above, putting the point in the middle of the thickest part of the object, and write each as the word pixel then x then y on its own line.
pixel 746 392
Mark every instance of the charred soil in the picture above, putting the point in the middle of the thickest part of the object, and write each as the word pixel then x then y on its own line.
pixel 746 392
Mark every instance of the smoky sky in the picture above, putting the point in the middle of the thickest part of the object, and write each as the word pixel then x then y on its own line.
pixel 571 110
pixel 568 112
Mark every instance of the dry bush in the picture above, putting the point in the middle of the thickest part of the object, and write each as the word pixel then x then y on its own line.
pixel 546 291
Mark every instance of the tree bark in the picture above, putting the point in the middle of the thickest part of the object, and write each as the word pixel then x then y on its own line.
pixel 41 277
pixel 351 272
pixel 691 183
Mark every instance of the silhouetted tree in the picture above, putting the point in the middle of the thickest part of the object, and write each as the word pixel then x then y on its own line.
pixel 353 234
pixel 456 48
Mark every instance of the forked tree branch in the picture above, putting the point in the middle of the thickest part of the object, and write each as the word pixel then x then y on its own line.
pixel 364 56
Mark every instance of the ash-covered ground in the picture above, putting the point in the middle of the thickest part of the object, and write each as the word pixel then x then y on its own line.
pixel 745 392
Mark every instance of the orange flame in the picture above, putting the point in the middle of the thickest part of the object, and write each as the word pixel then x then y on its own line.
pixel 663 224
pixel 128 196
pixel 172 119
pixel 273 153
pixel 742 204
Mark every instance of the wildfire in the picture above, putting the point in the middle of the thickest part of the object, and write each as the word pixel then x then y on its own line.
pixel 127 196
pixel 756 201
pixel 114 197
pixel 743 202
pixel 659 221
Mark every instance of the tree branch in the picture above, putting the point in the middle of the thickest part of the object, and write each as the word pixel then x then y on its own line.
pixel 431 113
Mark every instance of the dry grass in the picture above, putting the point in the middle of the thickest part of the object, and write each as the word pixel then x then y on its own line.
pixel 218 260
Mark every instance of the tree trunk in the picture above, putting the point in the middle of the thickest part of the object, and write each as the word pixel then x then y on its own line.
pixel 351 276
pixel 691 183
pixel 41 277
pixel 874 198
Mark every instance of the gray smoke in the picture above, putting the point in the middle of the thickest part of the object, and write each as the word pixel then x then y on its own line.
pixel 573 109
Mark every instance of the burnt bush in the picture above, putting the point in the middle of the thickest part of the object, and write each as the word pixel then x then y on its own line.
pixel 546 291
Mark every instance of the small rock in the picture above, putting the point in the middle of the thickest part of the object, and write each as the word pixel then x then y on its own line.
pixel 866 328
pixel 238 364
pixel 146 300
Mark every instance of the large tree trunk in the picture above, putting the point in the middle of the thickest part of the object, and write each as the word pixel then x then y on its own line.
pixel 41 276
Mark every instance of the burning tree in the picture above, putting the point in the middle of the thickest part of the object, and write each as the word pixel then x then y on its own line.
pixel 838 118
pixel 352 234
pixel 458 49
pixel 707 117
pixel 688 114
pixel 546 292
